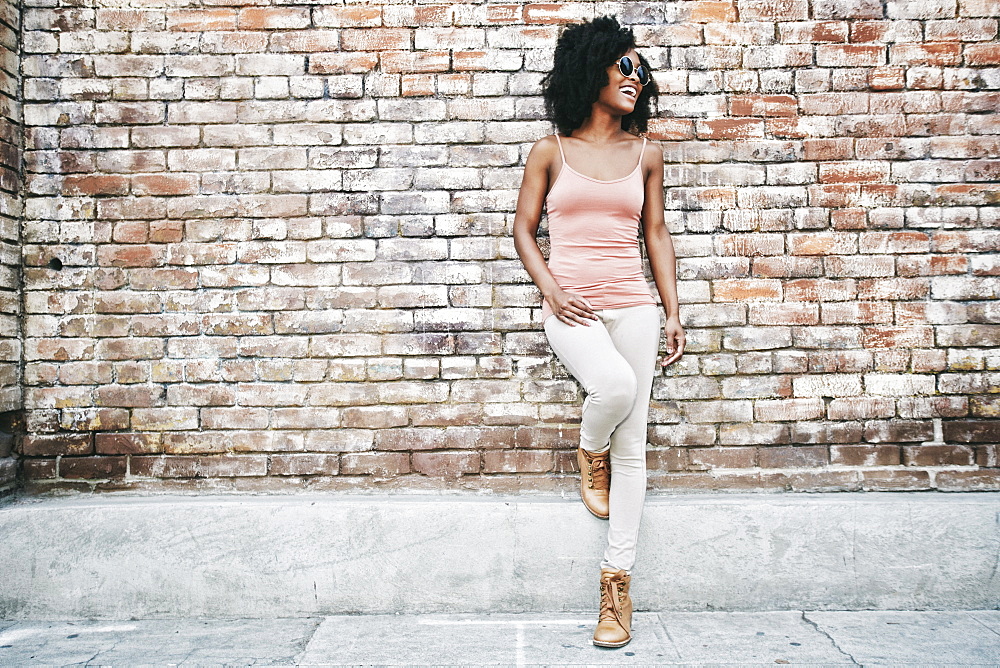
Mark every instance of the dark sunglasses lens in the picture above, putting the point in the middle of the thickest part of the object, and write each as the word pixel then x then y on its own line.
pixel 643 75
pixel 625 66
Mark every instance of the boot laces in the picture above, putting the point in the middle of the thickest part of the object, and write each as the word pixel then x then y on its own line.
pixel 600 476
pixel 609 593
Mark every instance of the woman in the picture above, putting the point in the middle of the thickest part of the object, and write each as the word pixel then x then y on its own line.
pixel 599 181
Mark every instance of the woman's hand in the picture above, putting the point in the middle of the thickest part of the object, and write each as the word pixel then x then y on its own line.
pixel 675 340
pixel 571 308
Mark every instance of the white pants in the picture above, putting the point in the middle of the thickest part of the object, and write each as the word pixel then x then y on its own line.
pixel 614 359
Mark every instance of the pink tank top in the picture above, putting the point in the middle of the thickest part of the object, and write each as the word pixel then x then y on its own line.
pixel 594 230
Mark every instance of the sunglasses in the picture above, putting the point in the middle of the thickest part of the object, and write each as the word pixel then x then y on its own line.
pixel 626 67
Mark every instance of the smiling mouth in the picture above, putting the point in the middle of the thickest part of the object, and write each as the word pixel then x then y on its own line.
pixel 629 90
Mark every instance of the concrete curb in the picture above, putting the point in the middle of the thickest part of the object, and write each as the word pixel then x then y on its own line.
pixel 122 557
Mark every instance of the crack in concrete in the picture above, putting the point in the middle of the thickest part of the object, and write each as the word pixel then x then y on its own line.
pixel 87 662
pixel 996 557
pixel 306 640
pixel 830 637
pixel 983 624
pixel 670 638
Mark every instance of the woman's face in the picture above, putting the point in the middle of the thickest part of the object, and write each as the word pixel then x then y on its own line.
pixel 621 93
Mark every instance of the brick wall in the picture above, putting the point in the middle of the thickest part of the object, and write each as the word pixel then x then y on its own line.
pixel 11 141
pixel 267 246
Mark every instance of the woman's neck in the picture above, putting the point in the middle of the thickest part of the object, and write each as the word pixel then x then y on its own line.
pixel 600 127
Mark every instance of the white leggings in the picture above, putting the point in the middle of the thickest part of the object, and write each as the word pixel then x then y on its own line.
pixel 614 360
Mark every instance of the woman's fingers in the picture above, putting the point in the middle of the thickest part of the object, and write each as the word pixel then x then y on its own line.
pixel 570 316
pixel 675 347
pixel 576 309
pixel 582 307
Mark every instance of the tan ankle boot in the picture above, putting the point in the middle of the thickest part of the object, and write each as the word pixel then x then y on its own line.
pixel 614 627
pixel 595 481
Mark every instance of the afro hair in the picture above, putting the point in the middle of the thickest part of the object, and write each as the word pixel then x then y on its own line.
pixel 583 53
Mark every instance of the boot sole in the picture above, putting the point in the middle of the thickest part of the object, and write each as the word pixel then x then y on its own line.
pixel 600 517
pixel 611 644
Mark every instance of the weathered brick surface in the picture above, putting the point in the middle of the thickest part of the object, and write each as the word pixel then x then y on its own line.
pixel 11 206
pixel 269 246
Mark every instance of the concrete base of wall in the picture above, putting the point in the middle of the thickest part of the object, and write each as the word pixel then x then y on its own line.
pixel 119 557
pixel 8 475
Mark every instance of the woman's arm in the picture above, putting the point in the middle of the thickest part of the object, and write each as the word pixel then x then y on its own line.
pixel 566 306
pixel 659 247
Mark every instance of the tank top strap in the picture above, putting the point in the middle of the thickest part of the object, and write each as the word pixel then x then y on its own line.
pixel 561 154
pixel 641 152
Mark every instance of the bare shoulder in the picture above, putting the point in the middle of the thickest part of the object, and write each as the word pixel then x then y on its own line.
pixel 653 155
pixel 546 145
pixel 544 151
pixel 654 149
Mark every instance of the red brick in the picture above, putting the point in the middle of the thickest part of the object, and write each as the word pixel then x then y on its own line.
pixel 886 481
pixel 127 444
pixel 856 312
pixel 378 464
pixel 94 419
pixel 853 172
pixel 165 184
pixel 348 17
pixel 763 105
pixel 199 20
pixel 783 314
pixel 95 185
pixel 833 104
pixel 308 464
pixel 670 128
pixel 864 455
pixel 445 464
pixel 898 337
pixel 972 431
pixel 93 467
pixel 887 78
pixel 848 219
pixel 785 10
pixel 840 148
pixel 554 13
pixel 414 85
pixel 937 455
pixel 850 55
pixel 130 255
pixel 504 13
pixel 40 445
pixel 730 128
pixel 893 288
pixel 445 415
pixel 415 61
pixel 342 63
pixel 37 469
pixel 813 31
pixel 836 194
pixel 822 243
pixel 518 461
pixel 375 39
pixel 943 53
pixel 797 456
pixel 981 54
pixel 781 410
pixel 270 18
pixel 967 481
pixel 546 437
pixel 745 289
pixel 301 41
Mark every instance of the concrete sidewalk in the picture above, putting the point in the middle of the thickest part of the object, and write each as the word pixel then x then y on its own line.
pixel 868 638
